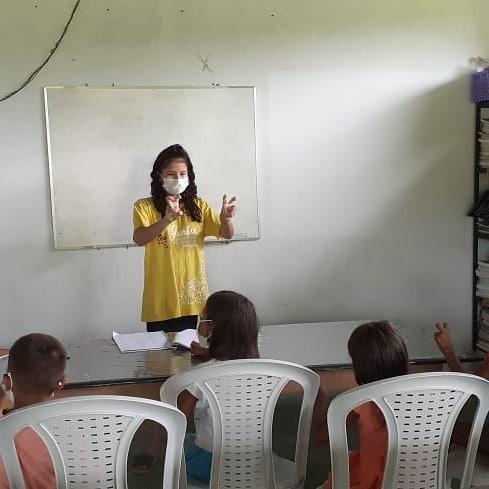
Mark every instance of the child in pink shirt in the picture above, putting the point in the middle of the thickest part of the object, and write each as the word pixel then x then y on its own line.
pixel 36 368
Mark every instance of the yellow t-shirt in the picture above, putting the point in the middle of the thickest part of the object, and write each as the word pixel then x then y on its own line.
pixel 175 282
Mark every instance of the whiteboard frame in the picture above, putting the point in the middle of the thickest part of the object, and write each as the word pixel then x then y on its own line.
pixel 208 240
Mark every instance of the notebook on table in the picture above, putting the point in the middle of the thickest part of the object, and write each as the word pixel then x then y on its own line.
pixel 154 340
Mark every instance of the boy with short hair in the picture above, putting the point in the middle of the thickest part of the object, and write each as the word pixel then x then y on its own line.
pixel 35 371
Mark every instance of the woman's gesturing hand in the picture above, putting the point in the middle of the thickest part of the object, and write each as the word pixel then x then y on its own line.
pixel 228 209
pixel 173 210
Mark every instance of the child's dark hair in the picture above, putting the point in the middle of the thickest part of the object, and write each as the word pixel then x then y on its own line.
pixel 188 196
pixel 378 351
pixel 235 332
pixel 37 363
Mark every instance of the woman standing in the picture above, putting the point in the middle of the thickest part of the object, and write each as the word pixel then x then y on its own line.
pixel 172 225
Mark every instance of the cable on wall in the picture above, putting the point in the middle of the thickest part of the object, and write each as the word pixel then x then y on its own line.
pixel 39 68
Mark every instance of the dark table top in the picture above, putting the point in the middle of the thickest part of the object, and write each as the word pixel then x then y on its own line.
pixel 321 346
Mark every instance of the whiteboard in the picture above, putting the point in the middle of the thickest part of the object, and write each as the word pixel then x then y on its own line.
pixel 102 143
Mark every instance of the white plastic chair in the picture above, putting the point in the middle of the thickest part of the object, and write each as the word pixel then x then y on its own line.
pixel 242 395
pixel 420 411
pixel 88 438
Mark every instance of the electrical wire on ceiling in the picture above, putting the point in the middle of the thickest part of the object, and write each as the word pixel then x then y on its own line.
pixel 44 63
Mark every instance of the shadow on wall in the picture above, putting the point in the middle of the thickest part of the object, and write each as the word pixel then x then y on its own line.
pixel 420 239
pixel 399 231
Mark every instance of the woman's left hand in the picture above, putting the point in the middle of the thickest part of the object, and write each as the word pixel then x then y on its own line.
pixel 228 209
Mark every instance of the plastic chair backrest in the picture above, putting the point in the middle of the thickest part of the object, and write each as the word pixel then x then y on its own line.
pixel 420 411
pixel 242 395
pixel 88 438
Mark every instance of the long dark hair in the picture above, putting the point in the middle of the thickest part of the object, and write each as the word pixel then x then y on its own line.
pixel 235 332
pixel 378 351
pixel 189 195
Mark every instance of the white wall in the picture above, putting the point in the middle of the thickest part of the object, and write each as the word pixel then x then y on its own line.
pixel 364 155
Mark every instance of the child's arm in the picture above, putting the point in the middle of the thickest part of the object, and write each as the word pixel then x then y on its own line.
pixel 319 423
pixel 204 328
pixel 186 403
pixel 199 351
pixel 319 420
pixel 443 340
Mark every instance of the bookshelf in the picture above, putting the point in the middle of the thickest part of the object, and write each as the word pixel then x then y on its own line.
pixel 480 212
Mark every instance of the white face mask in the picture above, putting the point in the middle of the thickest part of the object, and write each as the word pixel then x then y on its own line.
pixel 203 340
pixel 175 186
pixel 9 392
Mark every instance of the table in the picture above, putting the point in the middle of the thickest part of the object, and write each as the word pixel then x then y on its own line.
pixel 96 366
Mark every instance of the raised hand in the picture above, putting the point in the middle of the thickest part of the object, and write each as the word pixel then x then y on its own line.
pixel 173 210
pixel 443 338
pixel 228 209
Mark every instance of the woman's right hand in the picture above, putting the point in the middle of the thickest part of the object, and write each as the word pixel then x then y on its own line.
pixel 173 211
pixel 145 234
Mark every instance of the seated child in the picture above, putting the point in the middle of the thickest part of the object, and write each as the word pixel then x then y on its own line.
pixel 231 328
pixel 36 366
pixel 378 352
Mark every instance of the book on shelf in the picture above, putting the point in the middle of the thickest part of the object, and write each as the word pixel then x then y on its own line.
pixel 483 323
pixel 485 315
pixel 483 330
pixel 483 226
pixel 482 346
pixel 482 273
pixel 154 340
pixel 483 338
pixel 481 208
pixel 482 293
pixel 483 327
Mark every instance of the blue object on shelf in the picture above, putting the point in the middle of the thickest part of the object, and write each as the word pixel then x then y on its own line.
pixel 479 85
